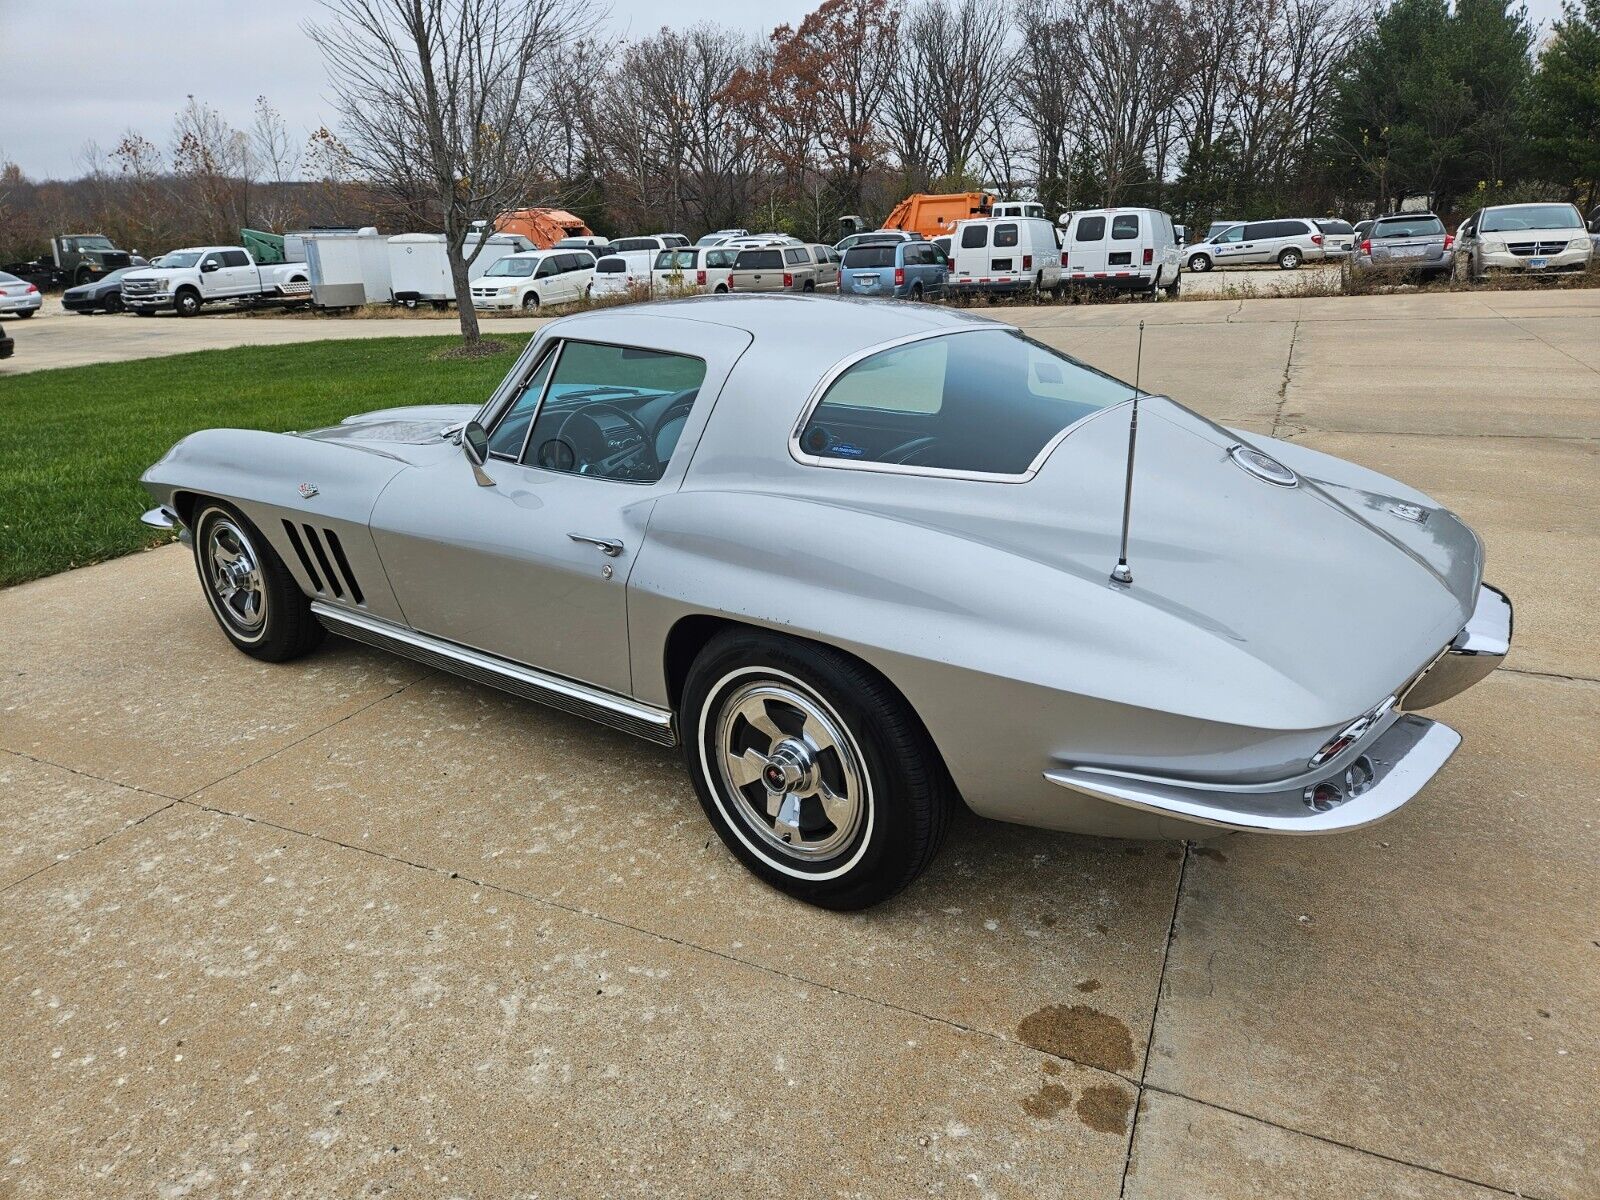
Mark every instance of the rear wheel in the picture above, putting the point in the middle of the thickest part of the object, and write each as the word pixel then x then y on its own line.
pixel 1199 263
pixel 1172 288
pixel 722 289
pixel 251 593
pixel 1289 259
pixel 810 286
pixel 26 313
pixel 916 292
pixel 812 769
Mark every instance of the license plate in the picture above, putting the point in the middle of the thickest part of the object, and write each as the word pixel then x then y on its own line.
pixel 1538 262
pixel 1410 252
pixel 866 281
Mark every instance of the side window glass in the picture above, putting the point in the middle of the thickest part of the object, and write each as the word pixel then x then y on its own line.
pixel 234 258
pixel 547 268
pixel 614 412
pixel 1090 229
pixel 1124 226
pixel 1236 234
pixel 974 237
pixel 507 438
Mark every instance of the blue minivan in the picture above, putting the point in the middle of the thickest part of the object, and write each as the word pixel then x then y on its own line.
pixel 902 270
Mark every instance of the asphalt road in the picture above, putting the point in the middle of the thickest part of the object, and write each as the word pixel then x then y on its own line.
pixel 348 927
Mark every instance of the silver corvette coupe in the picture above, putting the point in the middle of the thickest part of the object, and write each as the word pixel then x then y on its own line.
pixel 861 561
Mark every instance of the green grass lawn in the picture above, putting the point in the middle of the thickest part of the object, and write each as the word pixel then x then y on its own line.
pixel 78 439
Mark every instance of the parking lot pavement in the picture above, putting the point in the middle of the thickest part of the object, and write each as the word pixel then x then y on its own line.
pixel 57 338
pixel 347 926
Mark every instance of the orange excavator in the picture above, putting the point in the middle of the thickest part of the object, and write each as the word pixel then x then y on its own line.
pixel 934 215
pixel 544 227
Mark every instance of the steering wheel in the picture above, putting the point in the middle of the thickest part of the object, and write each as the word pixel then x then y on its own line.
pixel 902 454
pixel 679 407
pixel 646 444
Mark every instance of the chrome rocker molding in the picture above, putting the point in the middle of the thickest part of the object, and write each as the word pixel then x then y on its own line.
pixel 607 708
pixel 1407 755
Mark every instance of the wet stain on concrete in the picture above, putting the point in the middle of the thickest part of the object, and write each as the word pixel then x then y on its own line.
pixel 1102 930
pixel 1083 1034
pixel 1051 1067
pixel 1212 853
pixel 1049 1101
pixel 1089 985
pixel 1047 920
pixel 1104 1108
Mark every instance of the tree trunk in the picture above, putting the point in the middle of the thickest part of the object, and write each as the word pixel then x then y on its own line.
pixel 463 288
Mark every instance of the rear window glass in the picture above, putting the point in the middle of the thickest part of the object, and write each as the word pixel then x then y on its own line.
pixel 1402 227
pixel 759 259
pixel 1340 227
pixel 869 256
pixel 611 266
pixel 986 402
pixel 634 244
pixel 1005 235
pixel 1125 226
pixel 1090 229
pixel 974 236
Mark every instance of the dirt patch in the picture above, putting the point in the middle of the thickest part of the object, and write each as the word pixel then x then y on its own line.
pixel 1104 1108
pixel 487 348
pixel 1049 1101
pixel 1083 1034
pixel 1211 852
pixel 1089 985
pixel 1050 1067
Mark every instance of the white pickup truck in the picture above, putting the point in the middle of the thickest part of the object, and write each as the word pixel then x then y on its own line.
pixel 200 275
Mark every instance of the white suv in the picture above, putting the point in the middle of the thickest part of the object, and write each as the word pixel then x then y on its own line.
pixel 534 279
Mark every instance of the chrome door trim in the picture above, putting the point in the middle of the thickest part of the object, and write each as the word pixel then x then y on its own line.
pixel 581 700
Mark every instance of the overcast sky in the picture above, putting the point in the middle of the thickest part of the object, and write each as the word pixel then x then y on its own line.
pixel 77 71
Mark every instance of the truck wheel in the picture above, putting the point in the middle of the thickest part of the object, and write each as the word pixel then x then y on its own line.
pixel 812 769
pixel 251 593
pixel 82 276
pixel 186 303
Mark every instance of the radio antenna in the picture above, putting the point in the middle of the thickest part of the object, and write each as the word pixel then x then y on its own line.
pixel 1122 573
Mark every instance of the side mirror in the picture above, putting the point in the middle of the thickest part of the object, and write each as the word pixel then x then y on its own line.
pixel 209 266
pixel 475 445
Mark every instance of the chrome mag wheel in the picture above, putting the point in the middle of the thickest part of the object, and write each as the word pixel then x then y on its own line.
pixel 792 769
pixel 234 577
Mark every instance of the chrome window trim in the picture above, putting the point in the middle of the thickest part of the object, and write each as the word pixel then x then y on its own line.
pixel 798 454
pixel 514 391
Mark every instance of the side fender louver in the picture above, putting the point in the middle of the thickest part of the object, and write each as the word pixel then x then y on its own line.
pixel 340 580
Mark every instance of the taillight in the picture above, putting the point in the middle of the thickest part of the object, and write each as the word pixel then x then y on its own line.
pixel 32 290
pixel 1316 239
pixel 1149 256
pixel 899 276
pixel 1449 240
pixel 1366 245
pixel 1027 262
pixel 700 278
pixel 1064 255
pixel 788 279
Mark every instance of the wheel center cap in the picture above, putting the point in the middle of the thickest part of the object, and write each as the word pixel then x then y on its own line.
pixel 238 572
pixel 789 766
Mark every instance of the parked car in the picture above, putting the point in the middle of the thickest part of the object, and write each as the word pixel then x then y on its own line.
pixel 875 235
pixel 1012 254
pixel 195 276
pixel 591 242
pixel 1179 232
pixel 1523 237
pixel 18 297
pixel 1594 230
pixel 1289 242
pixel 673 239
pixel 1406 243
pixel 1338 237
pixel 105 295
pixel 8 344
pixel 1362 228
pixel 854 560
pixel 904 270
pixel 623 274
pixel 717 237
pixel 781 268
pixel 534 278
pixel 653 243
pixel 943 243
pixel 1127 249
pixel 1217 227
pixel 694 269
pixel 827 261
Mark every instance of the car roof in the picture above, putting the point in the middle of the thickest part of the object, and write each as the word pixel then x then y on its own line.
pixel 843 324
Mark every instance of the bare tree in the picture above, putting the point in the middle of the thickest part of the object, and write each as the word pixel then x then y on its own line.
pixel 276 161
pixel 444 106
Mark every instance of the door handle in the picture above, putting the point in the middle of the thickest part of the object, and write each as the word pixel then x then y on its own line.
pixel 610 547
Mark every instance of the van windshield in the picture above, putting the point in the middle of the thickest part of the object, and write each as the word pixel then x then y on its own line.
pixel 515 267
pixel 1535 216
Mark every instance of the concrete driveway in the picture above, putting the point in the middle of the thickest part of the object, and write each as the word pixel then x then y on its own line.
pixel 347 927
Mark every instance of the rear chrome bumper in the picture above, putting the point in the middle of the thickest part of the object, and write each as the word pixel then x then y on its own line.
pixel 1394 768
pixel 1480 647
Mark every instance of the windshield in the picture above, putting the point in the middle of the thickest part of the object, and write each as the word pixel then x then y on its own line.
pixel 181 258
pixel 1402 227
pixel 517 268
pixel 1534 216
pixel 986 401
pixel 90 243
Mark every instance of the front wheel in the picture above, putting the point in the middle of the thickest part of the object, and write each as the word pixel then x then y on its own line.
pixel 113 304
pixel 186 303
pixel 251 593
pixel 1199 263
pixel 530 302
pixel 812 769
pixel 1289 260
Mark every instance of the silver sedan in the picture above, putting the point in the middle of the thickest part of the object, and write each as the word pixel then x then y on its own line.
pixel 861 563
pixel 18 297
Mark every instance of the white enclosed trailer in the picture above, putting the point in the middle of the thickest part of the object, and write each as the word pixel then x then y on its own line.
pixel 349 267
pixel 419 271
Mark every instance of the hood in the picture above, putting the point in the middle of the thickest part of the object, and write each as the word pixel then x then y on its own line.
pixel 405 433
pixel 1334 584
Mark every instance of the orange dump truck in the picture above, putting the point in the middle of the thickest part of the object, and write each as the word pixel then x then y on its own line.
pixel 932 215
pixel 544 227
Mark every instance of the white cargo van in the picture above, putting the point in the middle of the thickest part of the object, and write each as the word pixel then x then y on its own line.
pixel 1129 249
pixel 1005 254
